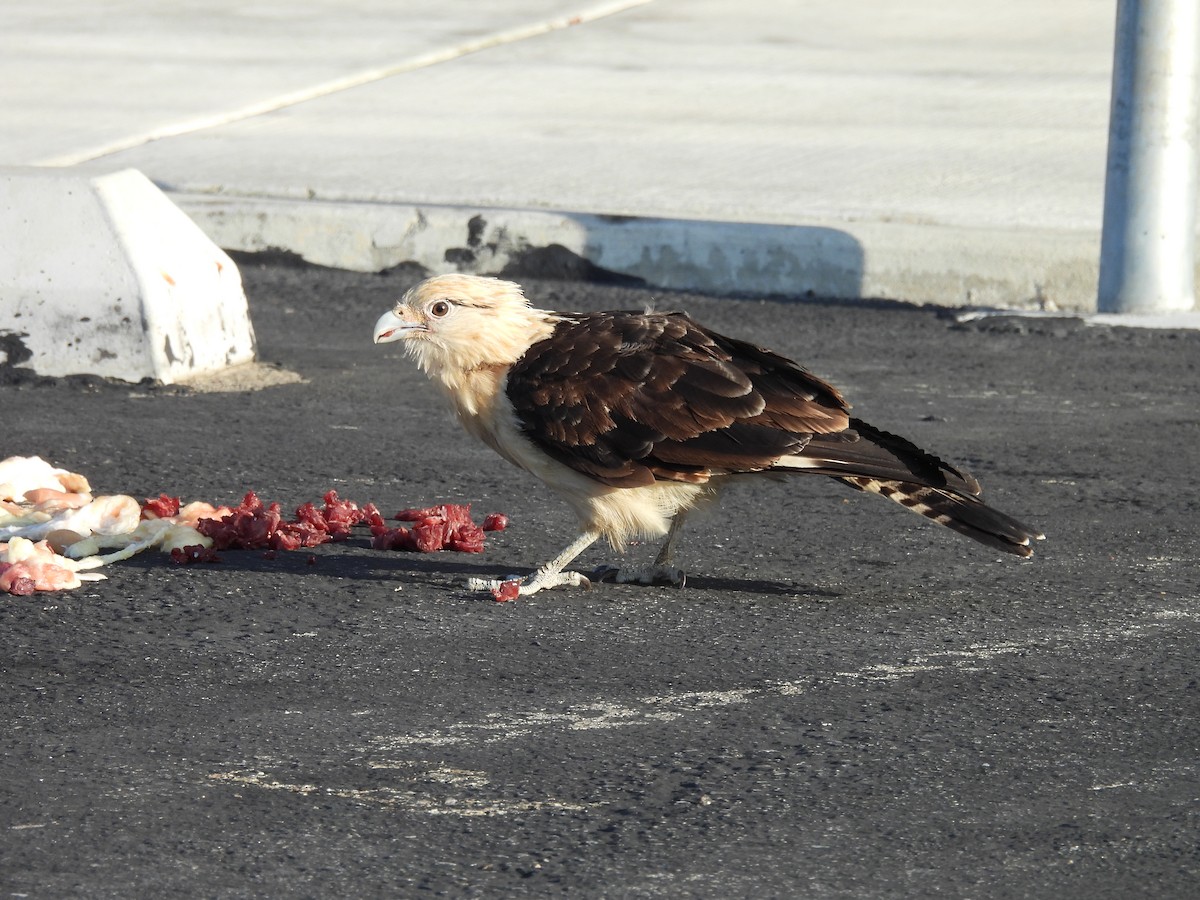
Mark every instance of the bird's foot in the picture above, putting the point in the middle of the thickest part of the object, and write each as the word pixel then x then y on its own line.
pixel 655 576
pixel 515 586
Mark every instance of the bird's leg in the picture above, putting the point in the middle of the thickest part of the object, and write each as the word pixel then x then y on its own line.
pixel 551 575
pixel 662 572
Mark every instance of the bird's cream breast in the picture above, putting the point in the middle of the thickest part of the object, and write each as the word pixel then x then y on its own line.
pixel 620 514
pixel 474 396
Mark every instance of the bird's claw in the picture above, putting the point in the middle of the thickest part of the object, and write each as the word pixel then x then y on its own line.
pixel 660 576
pixel 489 584
pixel 530 584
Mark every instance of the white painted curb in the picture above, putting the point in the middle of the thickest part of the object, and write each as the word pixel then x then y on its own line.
pixel 106 276
pixel 1020 268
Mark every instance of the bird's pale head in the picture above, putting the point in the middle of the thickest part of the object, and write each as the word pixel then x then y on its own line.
pixel 452 324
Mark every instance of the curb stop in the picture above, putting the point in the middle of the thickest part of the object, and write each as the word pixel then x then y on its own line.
pixel 105 276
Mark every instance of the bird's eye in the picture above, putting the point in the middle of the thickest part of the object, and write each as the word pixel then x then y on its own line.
pixel 439 308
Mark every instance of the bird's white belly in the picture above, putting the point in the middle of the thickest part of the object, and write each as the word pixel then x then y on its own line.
pixel 620 514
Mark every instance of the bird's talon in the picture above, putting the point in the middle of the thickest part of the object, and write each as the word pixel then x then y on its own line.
pixel 605 573
pixel 675 578
pixel 659 577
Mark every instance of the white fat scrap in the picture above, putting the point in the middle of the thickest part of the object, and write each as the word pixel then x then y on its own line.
pixel 21 558
pixel 55 531
pixel 165 534
pixel 21 474
pixel 108 515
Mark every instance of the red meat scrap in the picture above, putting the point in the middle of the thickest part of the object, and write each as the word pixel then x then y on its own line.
pixel 336 517
pixel 495 522
pixel 250 526
pixel 16 579
pixel 416 515
pixel 193 553
pixel 294 535
pixel 253 525
pixel 448 526
pixel 392 539
pixel 507 592
pixel 162 507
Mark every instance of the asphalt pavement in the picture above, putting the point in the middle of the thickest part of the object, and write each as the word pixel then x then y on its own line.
pixel 845 700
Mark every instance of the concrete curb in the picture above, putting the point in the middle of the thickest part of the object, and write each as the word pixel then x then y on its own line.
pixel 105 276
pixel 1022 269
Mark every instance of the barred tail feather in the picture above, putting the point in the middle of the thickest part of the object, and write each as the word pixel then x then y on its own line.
pixel 865 450
pixel 962 513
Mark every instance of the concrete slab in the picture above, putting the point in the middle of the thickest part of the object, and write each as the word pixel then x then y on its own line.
pixel 845 700
pixel 1038 269
pixel 959 149
pixel 105 276
pixel 89 78
pixel 991 117
pixel 1169 321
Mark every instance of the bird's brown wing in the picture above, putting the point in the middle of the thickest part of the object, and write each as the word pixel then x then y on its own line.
pixel 629 398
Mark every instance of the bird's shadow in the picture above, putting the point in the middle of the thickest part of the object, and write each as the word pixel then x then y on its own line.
pixel 758 586
pixel 429 569
pixel 445 571
pixel 432 571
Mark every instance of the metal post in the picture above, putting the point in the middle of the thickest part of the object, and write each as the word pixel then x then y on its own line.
pixel 1147 251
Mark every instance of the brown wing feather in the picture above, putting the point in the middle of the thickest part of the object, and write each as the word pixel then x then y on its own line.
pixel 879 454
pixel 629 398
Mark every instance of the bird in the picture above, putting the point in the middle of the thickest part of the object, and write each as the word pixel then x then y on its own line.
pixel 637 418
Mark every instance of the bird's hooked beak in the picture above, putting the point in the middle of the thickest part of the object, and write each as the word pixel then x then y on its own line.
pixel 392 327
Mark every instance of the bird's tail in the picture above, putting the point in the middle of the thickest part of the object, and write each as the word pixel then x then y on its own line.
pixel 965 514
pixel 875 461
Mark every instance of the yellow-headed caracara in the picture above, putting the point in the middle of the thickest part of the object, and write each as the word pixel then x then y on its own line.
pixel 635 418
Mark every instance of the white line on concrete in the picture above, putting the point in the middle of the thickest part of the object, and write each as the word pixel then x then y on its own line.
pixel 346 82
